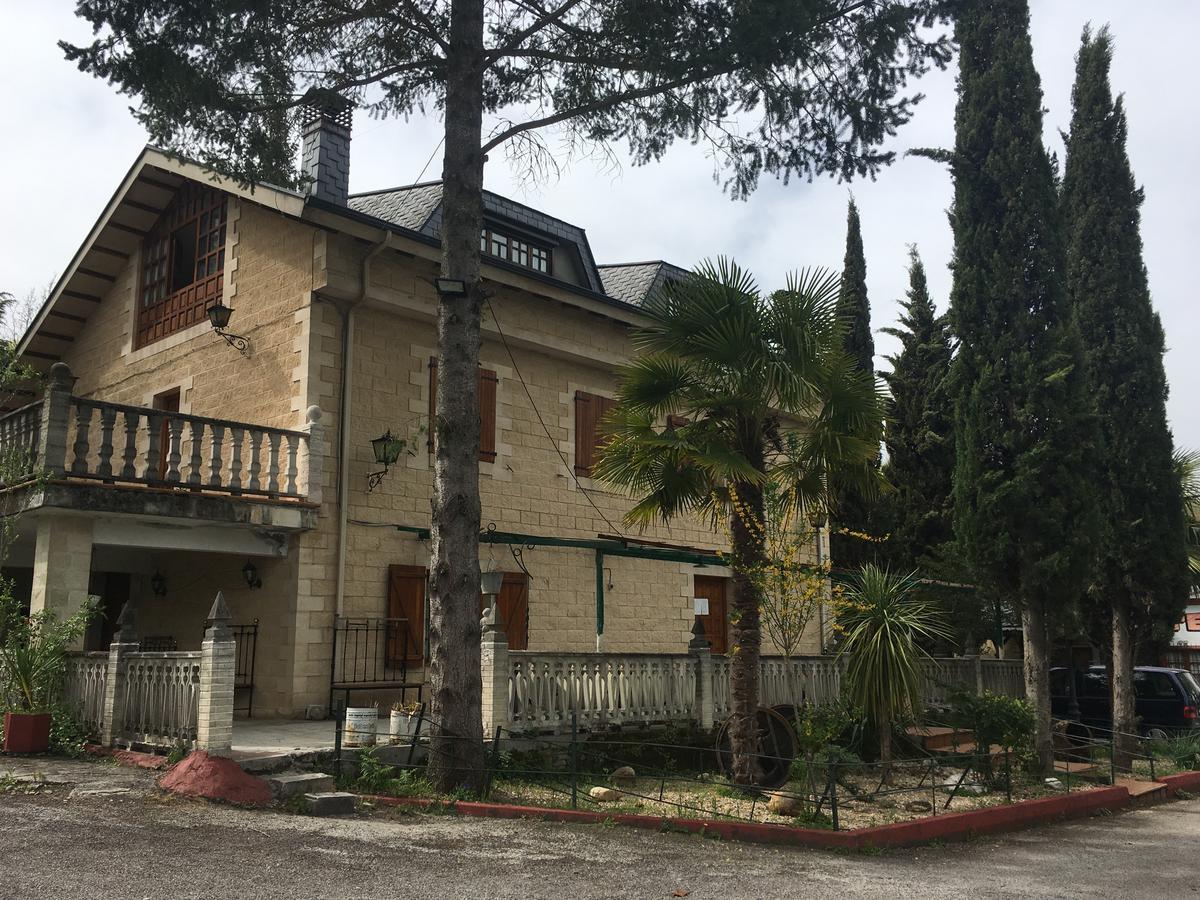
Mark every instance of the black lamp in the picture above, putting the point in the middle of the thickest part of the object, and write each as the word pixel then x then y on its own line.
pixel 250 573
pixel 218 316
pixel 387 450
pixel 450 287
pixel 158 584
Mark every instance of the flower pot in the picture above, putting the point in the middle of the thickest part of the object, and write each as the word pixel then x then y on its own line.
pixel 26 732
pixel 403 726
pixel 361 722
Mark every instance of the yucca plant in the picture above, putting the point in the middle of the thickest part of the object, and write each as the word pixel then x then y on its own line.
pixel 33 652
pixel 882 620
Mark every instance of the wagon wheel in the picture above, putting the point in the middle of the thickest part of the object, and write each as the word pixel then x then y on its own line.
pixel 775 745
pixel 1073 741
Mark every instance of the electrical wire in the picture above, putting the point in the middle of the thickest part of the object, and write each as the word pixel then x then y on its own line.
pixel 428 161
pixel 553 443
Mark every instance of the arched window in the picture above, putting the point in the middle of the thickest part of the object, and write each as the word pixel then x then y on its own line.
pixel 183 264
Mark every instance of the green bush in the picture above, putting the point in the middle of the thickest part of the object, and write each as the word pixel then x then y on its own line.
pixel 33 652
pixel 996 719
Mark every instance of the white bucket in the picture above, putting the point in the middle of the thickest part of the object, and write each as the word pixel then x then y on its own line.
pixel 361 722
pixel 403 726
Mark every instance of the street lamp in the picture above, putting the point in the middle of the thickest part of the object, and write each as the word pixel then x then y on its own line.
pixel 387 450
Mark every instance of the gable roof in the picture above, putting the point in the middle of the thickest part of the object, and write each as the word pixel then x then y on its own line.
pixel 634 282
pixel 419 208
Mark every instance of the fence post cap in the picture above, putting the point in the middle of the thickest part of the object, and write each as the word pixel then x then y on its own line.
pixel 313 414
pixel 61 375
pixel 219 618
pixel 126 631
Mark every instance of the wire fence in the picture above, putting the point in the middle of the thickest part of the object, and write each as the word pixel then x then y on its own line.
pixel 680 779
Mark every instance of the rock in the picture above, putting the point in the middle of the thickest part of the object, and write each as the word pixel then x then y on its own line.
pixel 918 806
pixel 330 803
pixel 959 780
pixel 284 787
pixel 782 804
pixel 1054 784
pixel 623 777
pixel 604 794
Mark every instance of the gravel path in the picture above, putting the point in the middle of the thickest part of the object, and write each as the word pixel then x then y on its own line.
pixel 142 845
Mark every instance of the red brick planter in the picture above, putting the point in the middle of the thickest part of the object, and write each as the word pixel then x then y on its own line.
pixel 1184 781
pixel 951 826
pixel 26 732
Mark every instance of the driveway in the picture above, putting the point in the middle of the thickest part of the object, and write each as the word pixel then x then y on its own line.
pixel 139 844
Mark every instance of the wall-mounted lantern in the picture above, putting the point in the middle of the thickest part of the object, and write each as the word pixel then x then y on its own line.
pixel 218 316
pixel 387 450
pixel 158 584
pixel 490 584
pixel 250 573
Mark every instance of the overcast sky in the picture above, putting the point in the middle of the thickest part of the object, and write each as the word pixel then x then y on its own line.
pixel 69 138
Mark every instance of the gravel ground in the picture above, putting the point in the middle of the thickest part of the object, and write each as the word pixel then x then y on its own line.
pixel 141 845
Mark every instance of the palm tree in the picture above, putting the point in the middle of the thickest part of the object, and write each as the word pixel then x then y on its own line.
pixel 732 391
pixel 882 620
pixel 1187 467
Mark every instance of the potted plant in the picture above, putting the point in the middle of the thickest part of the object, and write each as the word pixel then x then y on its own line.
pixel 33 652
pixel 404 721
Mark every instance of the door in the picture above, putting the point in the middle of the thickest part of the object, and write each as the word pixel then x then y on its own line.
pixel 513 607
pixel 716 623
pixel 406 603
pixel 167 401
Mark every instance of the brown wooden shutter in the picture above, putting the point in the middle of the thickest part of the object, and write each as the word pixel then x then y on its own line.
pixel 674 422
pixel 431 434
pixel 406 607
pixel 487 415
pixel 585 432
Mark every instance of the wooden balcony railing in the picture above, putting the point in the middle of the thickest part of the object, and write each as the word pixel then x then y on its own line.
pixel 70 437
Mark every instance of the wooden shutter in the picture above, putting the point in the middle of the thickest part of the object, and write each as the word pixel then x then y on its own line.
pixel 590 410
pixel 487 411
pixel 674 422
pixel 487 415
pixel 406 603
pixel 716 623
pixel 513 607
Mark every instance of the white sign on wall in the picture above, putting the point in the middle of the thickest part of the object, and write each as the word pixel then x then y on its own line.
pixel 1187 632
pixel 701 605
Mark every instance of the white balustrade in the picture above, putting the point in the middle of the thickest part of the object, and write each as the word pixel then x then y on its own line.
pixel 83 688
pixel 162 697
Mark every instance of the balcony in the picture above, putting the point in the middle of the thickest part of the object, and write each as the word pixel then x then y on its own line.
pixel 93 455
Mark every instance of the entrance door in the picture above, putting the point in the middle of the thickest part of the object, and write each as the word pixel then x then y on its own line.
pixel 513 606
pixel 406 601
pixel 716 623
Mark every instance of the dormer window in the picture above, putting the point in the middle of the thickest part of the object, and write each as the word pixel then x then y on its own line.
pixel 515 249
pixel 183 264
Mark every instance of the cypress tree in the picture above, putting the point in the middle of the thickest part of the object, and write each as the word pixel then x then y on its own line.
pixel 920 430
pixel 1021 491
pixel 1140 577
pixel 854 513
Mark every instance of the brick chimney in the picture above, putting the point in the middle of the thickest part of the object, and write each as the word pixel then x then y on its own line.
pixel 325 140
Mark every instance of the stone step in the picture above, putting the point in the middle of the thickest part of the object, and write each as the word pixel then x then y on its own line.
pixel 1072 767
pixel 996 752
pixel 936 737
pixel 1145 790
pixel 263 763
pixel 284 787
pixel 329 803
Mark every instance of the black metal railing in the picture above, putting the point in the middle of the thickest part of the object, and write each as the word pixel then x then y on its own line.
pixel 246 637
pixel 373 654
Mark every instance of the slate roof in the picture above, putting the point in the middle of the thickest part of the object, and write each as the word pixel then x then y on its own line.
pixel 418 207
pixel 634 282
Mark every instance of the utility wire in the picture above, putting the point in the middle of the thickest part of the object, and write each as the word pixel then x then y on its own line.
pixel 553 443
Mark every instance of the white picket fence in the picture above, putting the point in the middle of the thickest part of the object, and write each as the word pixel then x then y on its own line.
pixel 84 688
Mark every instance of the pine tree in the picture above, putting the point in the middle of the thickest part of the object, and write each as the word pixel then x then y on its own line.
pixel 1140 579
pixel 920 430
pixel 854 513
pixel 1021 490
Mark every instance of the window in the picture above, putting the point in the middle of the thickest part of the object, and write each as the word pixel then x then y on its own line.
pixel 590 409
pixel 487 411
pixel 1154 686
pixel 183 263
pixel 514 249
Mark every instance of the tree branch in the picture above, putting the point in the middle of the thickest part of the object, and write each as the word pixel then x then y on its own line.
pixel 537 25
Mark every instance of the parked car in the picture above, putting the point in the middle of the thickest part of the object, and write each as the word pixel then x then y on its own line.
pixel 1167 699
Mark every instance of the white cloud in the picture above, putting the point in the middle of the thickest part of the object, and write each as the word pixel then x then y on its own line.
pixel 70 138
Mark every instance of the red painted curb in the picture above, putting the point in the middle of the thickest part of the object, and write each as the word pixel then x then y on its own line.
pixel 951 826
pixel 128 757
pixel 1184 781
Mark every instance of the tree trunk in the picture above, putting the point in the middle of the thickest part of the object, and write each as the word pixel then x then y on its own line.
pixel 1124 712
pixel 747 637
pixel 1037 679
pixel 456 757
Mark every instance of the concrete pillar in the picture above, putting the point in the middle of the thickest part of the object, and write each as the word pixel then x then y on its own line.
pixel 705 712
pixel 978 660
pixel 125 641
pixel 496 672
pixel 62 564
pixel 314 459
pixel 218 669
pixel 56 417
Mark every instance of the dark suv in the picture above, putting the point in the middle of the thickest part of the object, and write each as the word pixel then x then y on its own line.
pixel 1167 699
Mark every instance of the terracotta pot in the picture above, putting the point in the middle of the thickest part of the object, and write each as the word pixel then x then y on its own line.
pixel 26 732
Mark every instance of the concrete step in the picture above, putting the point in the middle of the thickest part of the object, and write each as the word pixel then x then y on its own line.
pixel 263 763
pixel 330 803
pixel 1067 766
pixel 284 787
pixel 932 737
pixel 1143 791
pixel 996 752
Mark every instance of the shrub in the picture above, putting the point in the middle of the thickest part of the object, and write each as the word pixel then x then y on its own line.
pixel 33 651
pixel 996 719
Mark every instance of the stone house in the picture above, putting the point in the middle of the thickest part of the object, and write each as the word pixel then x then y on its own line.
pixel 180 461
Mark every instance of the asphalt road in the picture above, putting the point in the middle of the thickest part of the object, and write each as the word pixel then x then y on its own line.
pixel 143 846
